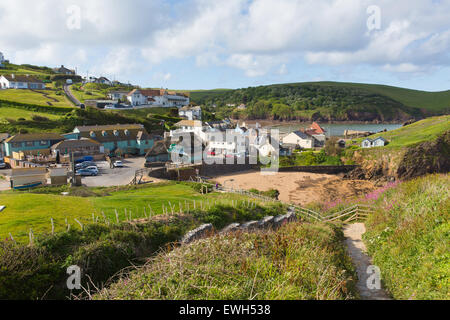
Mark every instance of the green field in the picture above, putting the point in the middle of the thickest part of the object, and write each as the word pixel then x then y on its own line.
pixel 425 130
pixel 29 210
pixel 35 98
pixel 15 114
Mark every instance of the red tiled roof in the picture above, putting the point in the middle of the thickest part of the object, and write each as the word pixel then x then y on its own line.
pixel 318 129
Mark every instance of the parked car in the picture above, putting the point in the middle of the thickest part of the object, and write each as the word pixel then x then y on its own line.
pixel 2 164
pixel 118 164
pixel 211 153
pixel 85 164
pixel 86 172
pixel 92 168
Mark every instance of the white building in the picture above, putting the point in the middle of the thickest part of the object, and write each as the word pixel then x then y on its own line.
pixel 117 95
pixel 161 98
pixel 300 139
pixel 20 82
pixel 190 113
pixel 371 143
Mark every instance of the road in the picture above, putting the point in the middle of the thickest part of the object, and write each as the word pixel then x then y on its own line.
pixel 70 95
pixel 108 177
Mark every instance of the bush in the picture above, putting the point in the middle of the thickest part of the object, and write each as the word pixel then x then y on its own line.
pixel 102 250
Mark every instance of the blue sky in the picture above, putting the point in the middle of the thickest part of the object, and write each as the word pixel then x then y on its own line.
pixel 205 44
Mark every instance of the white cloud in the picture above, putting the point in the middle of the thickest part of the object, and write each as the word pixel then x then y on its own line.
pixel 255 36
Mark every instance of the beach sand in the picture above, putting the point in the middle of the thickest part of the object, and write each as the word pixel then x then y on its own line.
pixel 299 187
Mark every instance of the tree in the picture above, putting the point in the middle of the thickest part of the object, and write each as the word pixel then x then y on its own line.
pixel 332 147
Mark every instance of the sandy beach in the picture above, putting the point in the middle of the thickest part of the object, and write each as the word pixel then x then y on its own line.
pixel 299 187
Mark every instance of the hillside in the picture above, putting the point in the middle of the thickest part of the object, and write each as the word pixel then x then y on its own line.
pixel 299 261
pixel 408 238
pixel 106 243
pixel 33 210
pixel 325 101
pixel 412 151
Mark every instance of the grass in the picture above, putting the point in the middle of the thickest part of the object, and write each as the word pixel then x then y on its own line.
pixel 409 236
pixel 15 114
pixel 35 98
pixel 103 249
pixel 425 130
pixel 299 261
pixel 30 210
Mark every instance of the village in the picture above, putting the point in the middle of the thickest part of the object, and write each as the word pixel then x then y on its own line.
pixel 224 152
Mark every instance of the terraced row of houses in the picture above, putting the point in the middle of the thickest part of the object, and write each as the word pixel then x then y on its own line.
pixel 96 141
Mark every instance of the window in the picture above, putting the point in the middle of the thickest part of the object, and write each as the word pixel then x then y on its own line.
pixel 29 144
pixel 43 143
pixel 92 134
pixel 16 144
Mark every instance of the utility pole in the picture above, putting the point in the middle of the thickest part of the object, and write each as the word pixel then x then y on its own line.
pixel 72 164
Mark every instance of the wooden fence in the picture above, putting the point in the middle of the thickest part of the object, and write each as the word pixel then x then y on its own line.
pixel 357 212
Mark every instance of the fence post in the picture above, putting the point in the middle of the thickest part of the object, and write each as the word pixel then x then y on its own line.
pixel 31 236
pixel 81 225
pixel 53 226
pixel 117 216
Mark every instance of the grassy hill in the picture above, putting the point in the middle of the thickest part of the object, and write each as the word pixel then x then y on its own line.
pixel 298 262
pixel 105 247
pixel 49 97
pixel 33 210
pixel 37 71
pixel 408 238
pixel 327 101
pixel 421 131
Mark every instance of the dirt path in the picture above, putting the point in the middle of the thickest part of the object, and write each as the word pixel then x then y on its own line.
pixel 357 251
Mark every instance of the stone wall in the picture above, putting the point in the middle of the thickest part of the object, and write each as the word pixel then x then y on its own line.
pixel 269 222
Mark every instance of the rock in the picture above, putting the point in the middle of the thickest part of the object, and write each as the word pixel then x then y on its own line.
pixel 279 220
pixel 230 228
pixel 198 233
pixel 266 222
pixel 291 217
pixel 249 225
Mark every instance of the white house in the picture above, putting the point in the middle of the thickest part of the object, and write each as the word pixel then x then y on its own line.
pixel 299 138
pixel 20 82
pixel 103 80
pixel 117 95
pixel 190 113
pixel 370 143
pixel 161 98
